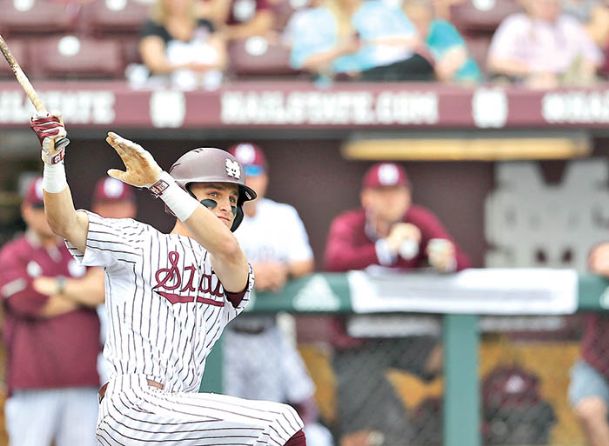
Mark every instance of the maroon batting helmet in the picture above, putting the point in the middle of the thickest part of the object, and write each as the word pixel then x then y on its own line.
pixel 210 165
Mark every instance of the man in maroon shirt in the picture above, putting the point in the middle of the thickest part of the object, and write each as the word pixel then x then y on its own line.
pixel 589 387
pixel 51 339
pixel 388 231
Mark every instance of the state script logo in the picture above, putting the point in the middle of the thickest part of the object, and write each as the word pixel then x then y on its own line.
pixel 177 284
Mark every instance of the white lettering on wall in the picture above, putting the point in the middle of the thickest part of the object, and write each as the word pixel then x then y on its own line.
pixel 76 107
pixel 167 108
pixel 329 108
pixel 490 107
pixel 577 107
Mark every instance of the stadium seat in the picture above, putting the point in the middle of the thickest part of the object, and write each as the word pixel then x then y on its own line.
pixel 257 56
pixel 18 48
pixel 105 17
pixel 27 17
pixel 70 57
pixel 481 16
pixel 131 52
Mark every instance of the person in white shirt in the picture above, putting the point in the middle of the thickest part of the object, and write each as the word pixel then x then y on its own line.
pixel 543 48
pixel 260 361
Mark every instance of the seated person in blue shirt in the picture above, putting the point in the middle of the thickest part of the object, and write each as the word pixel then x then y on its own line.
pixel 452 62
pixel 359 39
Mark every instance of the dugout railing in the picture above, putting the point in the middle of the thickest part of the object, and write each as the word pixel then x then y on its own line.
pixel 461 336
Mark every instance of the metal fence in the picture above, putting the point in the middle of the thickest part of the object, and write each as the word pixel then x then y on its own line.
pixel 452 380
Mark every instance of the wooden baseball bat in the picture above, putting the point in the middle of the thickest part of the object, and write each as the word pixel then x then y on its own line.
pixel 27 86
pixel 21 77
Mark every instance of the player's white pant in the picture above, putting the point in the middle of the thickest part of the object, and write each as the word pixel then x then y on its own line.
pixel 36 417
pixel 133 413
pixel 264 366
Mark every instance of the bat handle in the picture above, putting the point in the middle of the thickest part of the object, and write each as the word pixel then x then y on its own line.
pixel 61 143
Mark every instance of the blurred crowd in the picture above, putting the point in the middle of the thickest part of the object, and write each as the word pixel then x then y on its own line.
pixel 194 44
pixel 540 44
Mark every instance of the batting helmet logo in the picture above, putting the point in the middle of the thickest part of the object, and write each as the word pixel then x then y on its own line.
pixel 233 169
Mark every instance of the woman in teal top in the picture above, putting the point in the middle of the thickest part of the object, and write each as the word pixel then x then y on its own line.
pixel 360 38
pixel 443 41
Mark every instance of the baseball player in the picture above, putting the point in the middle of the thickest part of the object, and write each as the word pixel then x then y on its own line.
pixel 275 241
pixel 390 231
pixel 51 374
pixel 169 297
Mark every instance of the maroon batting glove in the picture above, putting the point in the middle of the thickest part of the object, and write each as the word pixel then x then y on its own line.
pixel 45 126
pixel 49 125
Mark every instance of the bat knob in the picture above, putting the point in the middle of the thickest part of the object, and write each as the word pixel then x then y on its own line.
pixel 61 144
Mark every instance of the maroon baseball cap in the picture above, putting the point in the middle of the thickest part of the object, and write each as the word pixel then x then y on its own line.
pixel 33 195
pixel 385 174
pixel 251 157
pixel 112 190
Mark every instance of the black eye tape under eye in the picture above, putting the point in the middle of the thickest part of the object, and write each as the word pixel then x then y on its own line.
pixel 210 204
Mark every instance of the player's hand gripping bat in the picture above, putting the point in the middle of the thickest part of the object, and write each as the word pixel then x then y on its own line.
pixel 25 83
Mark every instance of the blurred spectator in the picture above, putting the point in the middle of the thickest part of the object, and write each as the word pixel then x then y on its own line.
pixel 239 19
pixel 543 48
pixel 260 362
pixel 51 334
pixel 451 59
pixel 365 40
pixel 392 232
pixel 111 199
pixel 589 387
pixel 179 49
pixel 594 15
pixel 300 15
pixel 442 7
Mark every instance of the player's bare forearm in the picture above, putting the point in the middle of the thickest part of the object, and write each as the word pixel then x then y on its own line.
pixel 228 260
pixel 58 204
pixel 64 220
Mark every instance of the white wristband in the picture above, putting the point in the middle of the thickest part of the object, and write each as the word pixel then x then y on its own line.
pixel 177 199
pixel 54 178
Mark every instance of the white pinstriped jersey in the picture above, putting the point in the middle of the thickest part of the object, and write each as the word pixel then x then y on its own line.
pixel 166 308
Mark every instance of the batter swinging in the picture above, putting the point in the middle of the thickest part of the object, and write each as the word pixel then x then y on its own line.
pixel 169 296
